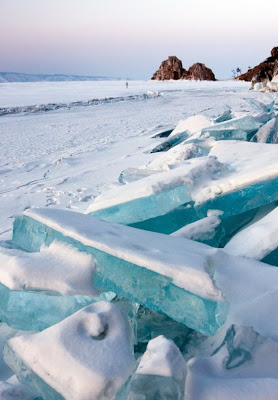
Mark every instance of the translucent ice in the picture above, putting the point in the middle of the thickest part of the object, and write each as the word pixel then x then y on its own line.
pixel 86 356
pixel 160 374
pixel 226 134
pixel 258 105
pixel 155 195
pixel 244 367
pixel 268 133
pixel 12 389
pixel 39 290
pixel 225 116
pixel 129 259
pixel 134 174
pixel 246 123
pixel 171 142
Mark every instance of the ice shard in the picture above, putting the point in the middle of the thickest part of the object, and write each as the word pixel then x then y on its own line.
pixel 86 356
pixel 258 239
pixel 171 142
pixel 167 274
pixel 134 174
pixel 157 194
pixel 225 116
pixel 268 133
pixel 252 182
pixel 246 123
pixel 160 374
pixel 225 134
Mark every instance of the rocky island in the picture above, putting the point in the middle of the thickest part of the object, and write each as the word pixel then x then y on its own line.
pixel 173 69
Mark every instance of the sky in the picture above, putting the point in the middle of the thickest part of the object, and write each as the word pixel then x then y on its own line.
pixel 130 38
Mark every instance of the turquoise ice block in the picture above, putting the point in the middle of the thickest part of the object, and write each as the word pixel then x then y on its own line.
pixel 166 274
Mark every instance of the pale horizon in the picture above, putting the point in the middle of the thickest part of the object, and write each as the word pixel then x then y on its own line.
pixel 131 39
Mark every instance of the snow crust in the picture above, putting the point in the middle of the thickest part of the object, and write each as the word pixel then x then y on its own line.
pixel 259 238
pixel 87 355
pixel 163 358
pixel 185 262
pixel 58 268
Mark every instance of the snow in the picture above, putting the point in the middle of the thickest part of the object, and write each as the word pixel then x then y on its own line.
pixel 259 238
pixel 65 158
pixel 58 268
pixel 163 358
pixel 184 262
pixel 85 356
pixel 192 124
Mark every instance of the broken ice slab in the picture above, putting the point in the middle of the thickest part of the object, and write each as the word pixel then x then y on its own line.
pixel 167 274
pixel 264 117
pixel 244 367
pixel 268 133
pixel 246 123
pixel 226 134
pixel 208 230
pixel 258 239
pixel 225 116
pixel 134 174
pixel 39 290
pixel 191 124
pixel 162 134
pixel 155 195
pixel 258 105
pixel 86 356
pixel 252 182
pixel 171 142
pixel 172 158
pixel 160 374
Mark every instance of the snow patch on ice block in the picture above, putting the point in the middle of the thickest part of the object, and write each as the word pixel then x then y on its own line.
pixel 57 269
pixel 172 158
pixel 160 374
pixel 208 230
pixel 192 124
pixel 157 194
pixel 253 180
pixel 258 239
pixel 129 259
pixel 86 356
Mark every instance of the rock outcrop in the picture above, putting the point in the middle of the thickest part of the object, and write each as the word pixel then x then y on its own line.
pixel 199 72
pixel 264 72
pixel 173 69
pixel 170 69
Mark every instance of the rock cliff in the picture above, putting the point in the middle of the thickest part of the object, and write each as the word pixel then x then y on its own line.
pixel 265 71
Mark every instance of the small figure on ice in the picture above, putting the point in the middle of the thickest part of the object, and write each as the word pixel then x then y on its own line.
pixel 126 85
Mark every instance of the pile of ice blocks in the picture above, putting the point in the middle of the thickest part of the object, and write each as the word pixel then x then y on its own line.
pixel 166 288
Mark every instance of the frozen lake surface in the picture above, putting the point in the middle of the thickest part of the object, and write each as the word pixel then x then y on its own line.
pixel 64 158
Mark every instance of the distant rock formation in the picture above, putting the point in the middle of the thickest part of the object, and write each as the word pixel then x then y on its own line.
pixel 264 72
pixel 170 69
pixel 173 69
pixel 199 72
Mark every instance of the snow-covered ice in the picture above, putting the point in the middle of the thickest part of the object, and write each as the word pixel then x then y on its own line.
pixel 88 146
